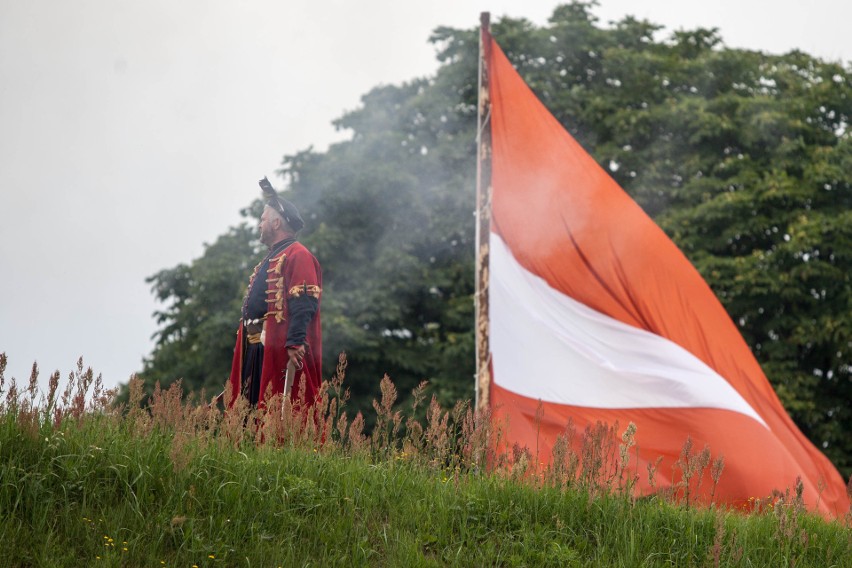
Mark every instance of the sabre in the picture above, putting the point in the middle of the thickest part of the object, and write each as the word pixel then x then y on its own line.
pixel 288 378
pixel 292 367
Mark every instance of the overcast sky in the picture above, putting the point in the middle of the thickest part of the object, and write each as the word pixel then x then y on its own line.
pixel 132 132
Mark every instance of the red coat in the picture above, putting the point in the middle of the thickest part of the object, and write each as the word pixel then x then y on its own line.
pixel 292 272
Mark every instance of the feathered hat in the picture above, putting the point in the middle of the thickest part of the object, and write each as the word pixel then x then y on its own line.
pixel 282 206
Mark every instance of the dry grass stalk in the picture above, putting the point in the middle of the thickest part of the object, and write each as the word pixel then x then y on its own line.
pixel 437 433
pixel 3 362
pixel 715 552
pixel 564 463
pixel 849 512
pixel 715 474
pixel 598 464
pixel 413 443
pixel 692 465
pixel 357 439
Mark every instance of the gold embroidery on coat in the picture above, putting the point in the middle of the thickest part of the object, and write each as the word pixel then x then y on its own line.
pixel 251 279
pixel 276 299
pixel 308 289
pixel 279 264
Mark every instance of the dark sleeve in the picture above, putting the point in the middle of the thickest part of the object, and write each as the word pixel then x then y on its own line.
pixel 301 310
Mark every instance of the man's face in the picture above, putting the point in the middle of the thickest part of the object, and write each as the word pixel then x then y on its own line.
pixel 267 227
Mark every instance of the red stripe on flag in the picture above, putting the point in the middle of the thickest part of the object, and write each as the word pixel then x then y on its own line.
pixel 756 462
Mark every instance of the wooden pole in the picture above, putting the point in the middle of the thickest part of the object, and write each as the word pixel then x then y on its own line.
pixel 483 217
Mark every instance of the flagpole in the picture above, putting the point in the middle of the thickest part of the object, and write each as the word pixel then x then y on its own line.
pixel 483 216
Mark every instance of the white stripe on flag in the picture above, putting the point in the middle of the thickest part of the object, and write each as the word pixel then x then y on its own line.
pixel 546 345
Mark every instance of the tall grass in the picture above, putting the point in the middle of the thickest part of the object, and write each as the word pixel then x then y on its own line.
pixel 179 483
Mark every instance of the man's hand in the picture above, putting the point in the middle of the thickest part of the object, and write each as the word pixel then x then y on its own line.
pixel 296 353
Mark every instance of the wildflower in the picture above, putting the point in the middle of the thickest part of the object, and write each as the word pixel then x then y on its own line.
pixel 211 556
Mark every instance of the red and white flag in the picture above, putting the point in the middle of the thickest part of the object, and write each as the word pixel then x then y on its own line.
pixel 596 315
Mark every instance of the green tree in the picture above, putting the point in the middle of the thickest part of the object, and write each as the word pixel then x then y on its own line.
pixel 743 158
pixel 202 304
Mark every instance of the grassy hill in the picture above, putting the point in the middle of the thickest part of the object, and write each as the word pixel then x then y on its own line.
pixel 179 484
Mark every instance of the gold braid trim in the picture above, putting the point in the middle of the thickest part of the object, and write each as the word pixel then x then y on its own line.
pixel 275 297
pixel 308 289
pixel 279 264
pixel 251 279
pixel 255 271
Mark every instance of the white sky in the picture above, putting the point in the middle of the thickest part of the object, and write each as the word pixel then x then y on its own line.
pixel 132 132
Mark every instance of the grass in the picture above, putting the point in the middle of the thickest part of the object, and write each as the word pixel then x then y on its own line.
pixel 175 483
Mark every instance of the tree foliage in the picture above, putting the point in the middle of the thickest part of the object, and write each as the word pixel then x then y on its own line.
pixel 743 158
pixel 202 300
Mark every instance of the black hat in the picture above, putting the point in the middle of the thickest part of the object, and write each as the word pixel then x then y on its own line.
pixel 282 206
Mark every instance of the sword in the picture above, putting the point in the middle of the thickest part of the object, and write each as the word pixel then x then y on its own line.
pixel 288 378
pixel 290 374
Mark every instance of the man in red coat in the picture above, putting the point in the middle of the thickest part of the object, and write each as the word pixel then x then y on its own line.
pixel 280 321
